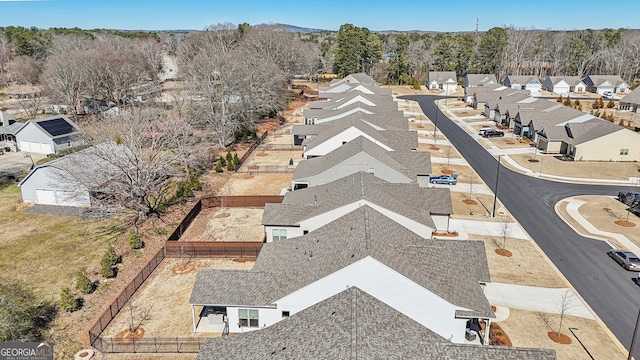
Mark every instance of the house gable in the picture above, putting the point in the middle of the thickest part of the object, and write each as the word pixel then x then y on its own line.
pixel 388 286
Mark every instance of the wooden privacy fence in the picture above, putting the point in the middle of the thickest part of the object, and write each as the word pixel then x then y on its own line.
pixel 269 169
pixel 250 150
pixel 118 303
pixel 211 249
pixel 149 345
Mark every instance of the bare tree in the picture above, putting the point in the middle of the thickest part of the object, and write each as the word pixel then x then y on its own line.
pixel 563 305
pixel 142 166
pixel 137 319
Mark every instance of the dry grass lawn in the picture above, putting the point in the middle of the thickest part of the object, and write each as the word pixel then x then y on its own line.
pixel 441 152
pixel 526 266
pixel 58 245
pixel 229 224
pixel 261 157
pixel 580 169
pixel 602 212
pixel 165 296
pixel 526 329
pixel 462 210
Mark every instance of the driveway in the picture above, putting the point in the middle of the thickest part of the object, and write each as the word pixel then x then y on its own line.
pixel 13 164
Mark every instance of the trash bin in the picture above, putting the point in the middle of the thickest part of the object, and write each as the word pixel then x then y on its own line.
pixel 470 335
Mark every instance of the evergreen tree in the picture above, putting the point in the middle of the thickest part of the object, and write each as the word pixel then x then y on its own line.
pixel 108 261
pixel 357 49
pixel 399 62
pixel 83 283
pixel 135 240
pixel 68 301
pixel 611 104
pixel 219 168
pixel 567 101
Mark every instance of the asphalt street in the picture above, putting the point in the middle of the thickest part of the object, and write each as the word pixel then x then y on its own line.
pixel 608 289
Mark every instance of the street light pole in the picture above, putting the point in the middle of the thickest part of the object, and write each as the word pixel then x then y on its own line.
pixel 435 126
pixel 495 189
pixel 633 339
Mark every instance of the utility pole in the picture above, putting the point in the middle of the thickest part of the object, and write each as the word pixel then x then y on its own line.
pixel 495 189
pixel 633 339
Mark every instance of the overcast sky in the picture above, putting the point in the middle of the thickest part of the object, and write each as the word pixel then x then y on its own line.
pixel 430 15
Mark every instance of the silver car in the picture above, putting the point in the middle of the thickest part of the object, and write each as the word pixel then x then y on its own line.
pixel 627 259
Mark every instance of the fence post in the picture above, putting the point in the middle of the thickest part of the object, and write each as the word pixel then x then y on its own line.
pixel 177 346
pixel 155 344
pixel 133 344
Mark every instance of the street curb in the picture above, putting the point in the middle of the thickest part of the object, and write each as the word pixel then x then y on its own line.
pixel 596 317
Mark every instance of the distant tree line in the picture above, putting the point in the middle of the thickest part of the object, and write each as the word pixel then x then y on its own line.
pixel 397 58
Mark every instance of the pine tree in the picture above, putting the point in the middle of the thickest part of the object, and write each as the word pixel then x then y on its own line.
pixel 219 168
pixel 229 157
pixel 560 100
pixel 236 159
pixel 567 101
pixel 83 283
pixel 222 161
pixel 68 301
pixel 135 240
pixel 611 104
pixel 108 261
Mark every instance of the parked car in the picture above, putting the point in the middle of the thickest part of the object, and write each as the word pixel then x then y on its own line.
pixel 607 93
pixel 627 259
pixel 443 179
pixel 483 130
pixel 493 133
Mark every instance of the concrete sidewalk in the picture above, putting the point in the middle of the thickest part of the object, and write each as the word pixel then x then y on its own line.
pixel 531 298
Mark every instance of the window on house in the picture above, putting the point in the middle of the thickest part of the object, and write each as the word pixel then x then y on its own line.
pixel 248 318
pixel 279 234
pixel 624 151
pixel 285 314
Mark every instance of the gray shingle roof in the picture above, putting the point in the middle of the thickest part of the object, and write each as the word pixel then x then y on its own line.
pixel 480 79
pixel 285 266
pixel 409 200
pixel 353 325
pixel 598 80
pixel 411 164
pixel 570 80
pixel 394 139
pixel 522 79
pixel 632 98
pixel 442 76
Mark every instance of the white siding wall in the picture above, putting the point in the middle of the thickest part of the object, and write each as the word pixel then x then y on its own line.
pixel 342 115
pixel 291 232
pixel 60 186
pixel 603 148
pixel 389 287
pixel 441 222
pixel 355 100
pixel 30 133
pixel 336 141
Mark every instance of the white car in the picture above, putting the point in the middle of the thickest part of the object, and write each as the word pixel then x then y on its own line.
pixel 607 93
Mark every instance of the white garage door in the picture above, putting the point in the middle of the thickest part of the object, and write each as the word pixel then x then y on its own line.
pixel 35 147
pixel 46 197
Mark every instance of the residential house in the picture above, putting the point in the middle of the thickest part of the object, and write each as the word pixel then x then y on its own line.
pixel 8 127
pixel 423 279
pixel 505 111
pixel 343 132
pixel 564 85
pixel 476 97
pixel 421 210
pixel 443 80
pixel 524 82
pixel 505 96
pixel 475 80
pixel 592 139
pixel 72 180
pixel 361 154
pixel 631 102
pixel 327 330
pixel 599 84
pixel 48 135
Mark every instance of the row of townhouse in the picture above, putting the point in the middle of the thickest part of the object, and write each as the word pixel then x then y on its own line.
pixel 351 268
pixel 555 128
pixel 562 85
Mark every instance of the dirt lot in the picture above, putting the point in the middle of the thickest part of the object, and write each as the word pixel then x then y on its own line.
pixel 580 169
pixel 462 210
pixel 526 329
pixel 256 184
pixel 165 296
pixel 228 224
pixel 260 157
pixel 441 152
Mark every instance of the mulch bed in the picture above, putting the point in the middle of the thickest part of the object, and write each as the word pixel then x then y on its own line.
pixel 444 234
pixel 504 252
pixel 183 269
pixel 125 335
pixel 625 223
pixel 562 339
pixel 470 202
pixel 447 171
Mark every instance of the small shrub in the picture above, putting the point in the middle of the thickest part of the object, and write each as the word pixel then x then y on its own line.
pixel 108 261
pixel 83 283
pixel 135 240
pixel 611 104
pixel 222 161
pixel 229 157
pixel 219 167
pixel 68 301
pixel 245 138
pixel 416 84
pixel 567 101
pixel 236 159
pixel 560 99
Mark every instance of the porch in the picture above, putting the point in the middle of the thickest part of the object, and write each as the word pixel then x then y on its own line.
pixel 211 320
